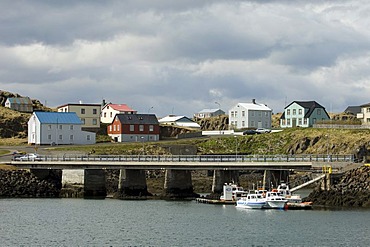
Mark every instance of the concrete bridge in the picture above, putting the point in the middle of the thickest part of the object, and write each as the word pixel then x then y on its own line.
pixel 178 182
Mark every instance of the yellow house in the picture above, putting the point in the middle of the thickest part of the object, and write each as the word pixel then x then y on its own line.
pixel 88 113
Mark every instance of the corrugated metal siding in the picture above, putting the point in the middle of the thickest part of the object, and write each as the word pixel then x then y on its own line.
pixel 58 117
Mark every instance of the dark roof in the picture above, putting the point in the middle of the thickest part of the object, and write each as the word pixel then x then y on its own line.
pixel 310 105
pixel 137 118
pixel 353 109
pixel 365 105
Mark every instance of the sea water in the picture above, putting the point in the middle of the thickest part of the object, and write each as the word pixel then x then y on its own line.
pixel 110 222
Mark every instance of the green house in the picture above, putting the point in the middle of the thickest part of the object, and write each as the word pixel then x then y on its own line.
pixel 303 114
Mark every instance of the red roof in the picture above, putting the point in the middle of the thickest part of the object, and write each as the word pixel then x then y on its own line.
pixel 121 107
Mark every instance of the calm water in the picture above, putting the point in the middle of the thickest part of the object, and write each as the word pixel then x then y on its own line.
pixel 78 222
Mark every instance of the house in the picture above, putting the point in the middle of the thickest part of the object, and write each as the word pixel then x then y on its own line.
pixel 181 121
pixel 21 104
pixel 134 128
pixel 89 114
pixel 110 110
pixel 364 115
pixel 55 128
pixel 205 113
pixel 303 114
pixel 354 110
pixel 250 115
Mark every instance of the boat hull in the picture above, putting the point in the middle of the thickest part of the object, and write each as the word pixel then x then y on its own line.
pixel 250 205
pixel 275 204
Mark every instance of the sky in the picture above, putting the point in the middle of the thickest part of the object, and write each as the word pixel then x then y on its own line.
pixel 179 57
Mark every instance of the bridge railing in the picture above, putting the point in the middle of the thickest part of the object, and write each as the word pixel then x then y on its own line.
pixel 201 158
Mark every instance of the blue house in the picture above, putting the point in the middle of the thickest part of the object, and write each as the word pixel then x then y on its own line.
pixel 303 114
pixel 57 128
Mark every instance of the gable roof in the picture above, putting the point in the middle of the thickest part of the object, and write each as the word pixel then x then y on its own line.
pixel 120 107
pixel 20 100
pixel 137 118
pixel 254 106
pixel 58 117
pixel 353 109
pixel 209 110
pixel 308 105
pixel 180 121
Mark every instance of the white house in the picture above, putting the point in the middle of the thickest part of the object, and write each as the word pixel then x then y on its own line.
pixel 57 128
pixel 21 104
pixel 178 121
pixel 110 110
pixel 250 115
pixel 205 113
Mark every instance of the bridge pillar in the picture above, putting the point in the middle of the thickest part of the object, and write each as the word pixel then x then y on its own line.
pixel 94 184
pixel 272 178
pixel 220 177
pixel 178 184
pixel 132 182
pixel 53 176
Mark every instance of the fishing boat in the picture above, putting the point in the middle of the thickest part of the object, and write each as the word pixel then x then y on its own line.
pixel 294 201
pixel 274 200
pixel 251 201
pixel 232 192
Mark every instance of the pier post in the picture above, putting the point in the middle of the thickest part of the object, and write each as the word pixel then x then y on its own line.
pixel 132 182
pixel 220 177
pixel 178 184
pixel 94 184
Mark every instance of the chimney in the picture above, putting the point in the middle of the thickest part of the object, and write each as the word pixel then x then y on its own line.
pixel 254 101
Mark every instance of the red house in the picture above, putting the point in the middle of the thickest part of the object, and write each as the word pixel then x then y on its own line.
pixel 134 128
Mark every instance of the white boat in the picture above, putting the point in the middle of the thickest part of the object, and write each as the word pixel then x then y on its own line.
pixel 284 191
pixel 251 201
pixel 232 192
pixel 274 200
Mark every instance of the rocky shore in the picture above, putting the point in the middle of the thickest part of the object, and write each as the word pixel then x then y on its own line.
pixel 21 183
pixel 351 190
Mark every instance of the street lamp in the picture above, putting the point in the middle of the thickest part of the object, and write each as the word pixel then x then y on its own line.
pixel 142 139
pixel 219 105
pixel 150 108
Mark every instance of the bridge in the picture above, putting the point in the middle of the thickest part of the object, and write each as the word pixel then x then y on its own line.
pixel 177 169
pixel 183 162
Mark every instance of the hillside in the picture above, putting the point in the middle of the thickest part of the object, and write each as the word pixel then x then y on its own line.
pixel 13 124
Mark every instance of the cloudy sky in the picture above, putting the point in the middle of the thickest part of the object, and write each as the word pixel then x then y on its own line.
pixel 179 57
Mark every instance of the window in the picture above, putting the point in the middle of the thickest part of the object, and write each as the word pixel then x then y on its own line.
pixel 288 122
pixel 49 127
pixel 110 114
pixel 132 127
pixel 49 137
pixel 259 114
pixel 236 113
pixel 288 112
pixel 151 128
pixel 117 127
pixel 236 123
pixel 299 121
pixel 71 137
pixel 252 123
pixel 141 127
pixel 88 137
pixel 105 114
pixel 60 126
pixel 82 110
pixel 314 120
pixel 243 113
pixel 252 113
pixel 95 121
pixel 305 121
pixel 294 111
pixel 243 123
pixel 71 127
pixel 283 122
pixel 232 114
pixel 300 111
pixel 110 127
pixel 95 111
pixel 114 128
pixel 368 120
pixel 367 109
pixel 318 111
pixel 83 120
pixel 60 137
